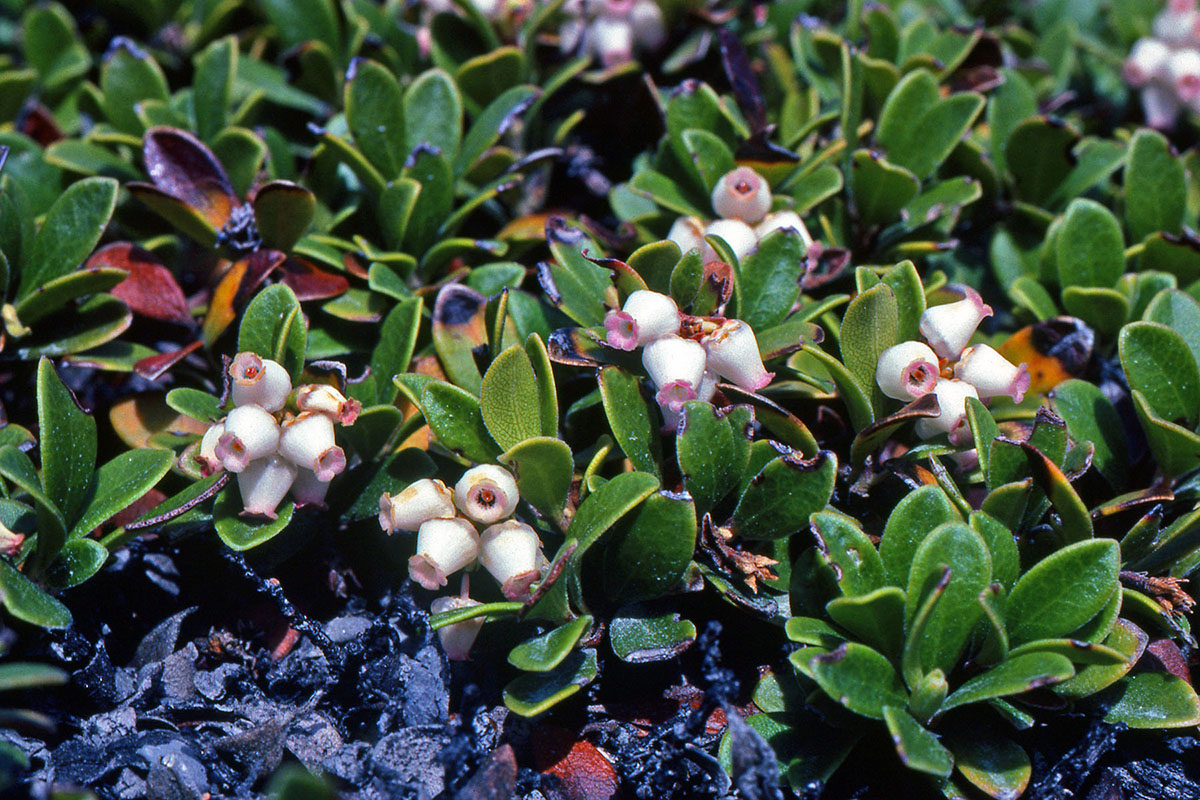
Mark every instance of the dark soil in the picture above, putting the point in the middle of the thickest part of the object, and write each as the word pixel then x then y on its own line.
pixel 189 681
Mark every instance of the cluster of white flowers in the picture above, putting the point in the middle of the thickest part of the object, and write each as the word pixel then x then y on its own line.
pixel 913 369
pixel 271 449
pixel 448 540
pixel 609 30
pixel 1166 64
pixel 684 368
pixel 742 202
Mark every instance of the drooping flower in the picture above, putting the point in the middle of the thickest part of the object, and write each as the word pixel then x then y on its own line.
pixel 10 541
pixel 509 551
pixel 779 220
pixel 325 399
pixel 206 455
pixel 486 494
pixel 308 442
pixel 646 316
pixel 250 434
pixel 259 381
pixel 420 502
pixel 949 327
pixel 1184 69
pixel 457 639
pixel 444 546
pixel 673 360
pixel 308 489
pixel 671 398
pixel 907 371
pixel 1178 24
pixel 992 374
pixel 688 233
pixel 733 354
pixel 742 194
pixel 737 234
pixel 952 417
pixel 1147 62
pixel 263 484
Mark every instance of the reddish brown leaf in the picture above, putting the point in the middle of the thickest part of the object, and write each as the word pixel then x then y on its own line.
pixel 220 305
pixel 1169 658
pixel 39 124
pixel 354 267
pixel 151 289
pixel 497 777
pixel 260 264
pixel 310 282
pixel 152 367
pixel 180 165
pixel 584 771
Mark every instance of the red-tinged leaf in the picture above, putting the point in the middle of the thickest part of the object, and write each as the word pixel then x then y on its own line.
pixel 497 777
pixel 260 264
pixel 151 289
pixel 182 216
pixel 180 165
pixel 354 266
pixel 584 771
pixel 39 124
pixel 1169 657
pixel 153 367
pixel 309 282
pixel 220 306
pixel 624 276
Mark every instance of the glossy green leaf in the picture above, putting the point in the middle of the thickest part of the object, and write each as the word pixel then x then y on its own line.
pixel 917 747
pixel 709 155
pixel 119 483
pixel 20 675
pixel 544 653
pixel 649 550
pixel 860 679
pixel 991 762
pixel 129 77
pixel 782 496
pixel 640 636
pixel 1125 638
pixel 454 416
pixel 543 468
pixel 283 212
pixel 710 459
pixel 433 114
pixel 1015 675
pixel 633 423
pixel 603 507
pixel 1106 310
pixel 27 602
pixel 1175 448
pixel 1090 249
pixel 1040 155
pixel 508 393
pixel 769 279
pixel 274 327
pixel 539 358
pixel 949 625
pixel 55 294
pixel 1063 591
pixel 212 86
pixel 1091 417
pixel 875 618
pixel 72 227
pixel 918 128
pixel 917 513
pixel 1076 651
pixel 851 553
pixel 881 188
pixel 1006 559
pixel 244 533
pixel 300 21
pixel 78 560
pixel 533 693
pixel 68 446
pixel 1154 700
pixel 1159 364
pixel 1155 186
pixel 870 326
pixel 375 115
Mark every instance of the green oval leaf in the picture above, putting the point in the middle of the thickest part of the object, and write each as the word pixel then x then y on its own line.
pixel 274 327
pixel 639 636
pixel 454 416
pixel 27 602
pixel 917 513
pixel 649 550
pixel 1063 591
pixel 544 653
pixel 859 678
pixel 782 496
pixel 917 747
pixel 243 533
pixel 507 395
pixel 1159 364
pixel 1155 186
pixel 533 693
pixel 1154 700
pixel 1090 250
pixel 73 226
pixel 633 424
pixel 1014 676
pixel 544 469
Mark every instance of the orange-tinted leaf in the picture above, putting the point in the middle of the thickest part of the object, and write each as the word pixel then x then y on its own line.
pixel 184 218
pixel 220 306
pixel 1054 350
pixel 530 228
pixel 309 282
pixel 180 165
pixel 141 418
pixel 150 289
pixel 153 367
pixel 584 771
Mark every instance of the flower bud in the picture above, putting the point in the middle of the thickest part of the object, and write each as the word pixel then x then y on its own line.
pixel 778 220
pixel 742 194
pixel 259 381
pixel 486 494
pixel 737 234
pixel 688 233
pixel 308 489
pixel 10 541
pixel 307 441
pixel 457 639
pixel 674 359
pixel 444 546
pixel 1147 61
pixel 509 551
pixel 1184 69
pixel 206 456
pixel 263 483
pixel 649 27
pixel 1160 106
pixel 907 371
pixel 250 434
pixel 325 399
pixel 949 327
pixel 733 354
pixel 646 316
pixel 992 374
pixel 952 401
pixel 420 502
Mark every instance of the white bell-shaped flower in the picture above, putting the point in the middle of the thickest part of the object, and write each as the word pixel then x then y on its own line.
pixel 444 546
pixel 1184 69
pixel 420 502
pixel 308 442
pixel 509 551
pixel 674 359
pixel 486 494
pixel 308 489
pixel 708 386
pixel 10 541
pixel 206 455
pixel 649 27
pixel 263 484
pixel 733 354
pixel 325 399
pixel 611 40
pixel 645 317
pixel 992 374
pixel 259 381
pixel 907 371
pixel 780 220
pixel 688 233
pixel 671 399
pixel 250 434
pixel 1160 106
pixel 1147 62
pixel 737 234
pixel 952 420
pixel 457 639
pixel 742 194
pixel 949 327
pixel 1177 24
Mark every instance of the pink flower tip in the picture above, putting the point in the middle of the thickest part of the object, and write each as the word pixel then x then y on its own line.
pixel 621 330
pixel 675 394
